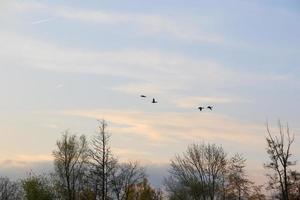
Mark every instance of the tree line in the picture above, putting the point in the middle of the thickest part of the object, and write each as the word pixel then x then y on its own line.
pixel 88 170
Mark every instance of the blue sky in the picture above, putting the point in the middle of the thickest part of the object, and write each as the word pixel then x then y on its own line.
pixel 65 64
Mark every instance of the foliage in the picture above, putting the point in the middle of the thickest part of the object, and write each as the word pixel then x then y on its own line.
pixel 37 188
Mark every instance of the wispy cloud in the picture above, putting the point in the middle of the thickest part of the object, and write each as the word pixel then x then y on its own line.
pixel 154 72
pixel 148 24
pixel 159 68
pixel 22 160
pixel 161 135
pixel 172 127
pixel 146 65
pixel 189 102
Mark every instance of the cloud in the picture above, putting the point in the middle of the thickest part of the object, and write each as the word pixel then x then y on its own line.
pixel 169 133
pixel 17 172
pixel 125 154
pixel 22 160
pixel 192 101
pixel 150 88
pixel 171 127
pixel 29 6
pixel 148 24
pixel 153 69
pixel 156 172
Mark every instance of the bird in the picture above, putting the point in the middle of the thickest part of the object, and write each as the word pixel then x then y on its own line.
pixel 154 101
pixel 200 108
pixel 143 96
pixel 210 107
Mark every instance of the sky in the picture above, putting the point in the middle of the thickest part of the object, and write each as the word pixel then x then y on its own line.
pixel 65 64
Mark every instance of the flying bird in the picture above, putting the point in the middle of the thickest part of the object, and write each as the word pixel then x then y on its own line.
pixel 200 108
pixel 154 101
pixel 143 96
pixel 210 107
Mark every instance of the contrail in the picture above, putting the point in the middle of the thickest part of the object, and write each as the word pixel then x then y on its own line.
pixel 43 20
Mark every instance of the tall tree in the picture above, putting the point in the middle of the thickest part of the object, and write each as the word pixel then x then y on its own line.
pixel 198 173
pixel 70 161
pixel 279 151
pixel 102 161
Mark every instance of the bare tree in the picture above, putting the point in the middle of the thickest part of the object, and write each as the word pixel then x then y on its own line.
pixel 70 160
pixel 279 151
pixel 10 190
pixel 126 176
pixel 102 161
pixel 197 174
